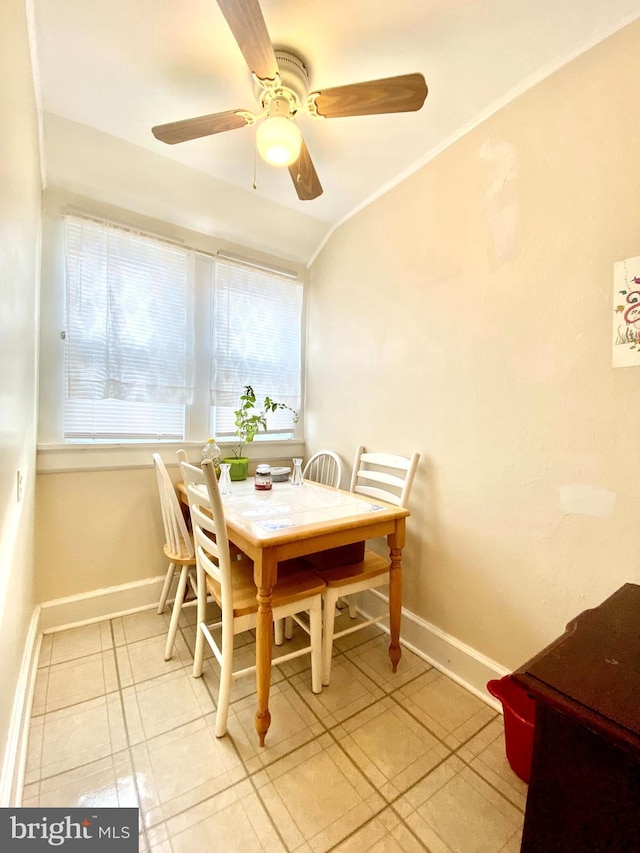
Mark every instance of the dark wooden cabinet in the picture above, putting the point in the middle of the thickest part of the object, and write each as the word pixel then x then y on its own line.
pixel 584 793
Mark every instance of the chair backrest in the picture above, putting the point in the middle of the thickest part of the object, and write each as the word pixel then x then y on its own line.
pixel 190 473
pixel 384 475
pixel 325 466
pixel 176 534
pixel 209 529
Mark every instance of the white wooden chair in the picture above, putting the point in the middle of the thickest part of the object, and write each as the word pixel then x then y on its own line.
pixel 178 548
pixel 196 476
pixel 230 583
pixel 182 456
pixel 385 477
pixel 325 467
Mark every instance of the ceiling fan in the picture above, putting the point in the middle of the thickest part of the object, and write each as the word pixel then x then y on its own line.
pixel 281 88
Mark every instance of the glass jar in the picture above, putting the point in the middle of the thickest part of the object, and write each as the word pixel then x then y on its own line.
pixel 262 478
pixel 212 451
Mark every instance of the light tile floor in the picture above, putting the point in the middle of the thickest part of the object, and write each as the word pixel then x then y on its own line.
pixel 376 762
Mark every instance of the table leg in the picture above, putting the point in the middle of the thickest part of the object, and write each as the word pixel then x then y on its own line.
pixel 264 576
pixel 396 544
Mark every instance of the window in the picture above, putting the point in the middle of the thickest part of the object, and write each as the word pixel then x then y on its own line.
pixel 129 352
pixel 160 340
pixel 256 335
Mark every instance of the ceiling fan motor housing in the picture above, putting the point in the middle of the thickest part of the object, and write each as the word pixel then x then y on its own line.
pixel 294 82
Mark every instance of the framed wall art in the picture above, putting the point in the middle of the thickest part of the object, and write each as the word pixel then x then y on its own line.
pixel 626 313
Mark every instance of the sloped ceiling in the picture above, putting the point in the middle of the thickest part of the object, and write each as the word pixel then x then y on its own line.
pixel 108 70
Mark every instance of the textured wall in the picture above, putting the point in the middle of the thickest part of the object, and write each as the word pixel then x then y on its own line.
pixel 467 314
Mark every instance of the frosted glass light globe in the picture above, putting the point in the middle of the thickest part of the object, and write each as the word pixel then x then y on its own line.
pixel 278 140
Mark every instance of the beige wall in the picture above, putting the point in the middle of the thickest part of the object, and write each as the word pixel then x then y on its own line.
pixel 111 171
pixel 19 260
pixel 99 526
pixel 97 529
pixel 467 314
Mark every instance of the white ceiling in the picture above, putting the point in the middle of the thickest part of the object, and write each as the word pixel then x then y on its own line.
pixel 121 66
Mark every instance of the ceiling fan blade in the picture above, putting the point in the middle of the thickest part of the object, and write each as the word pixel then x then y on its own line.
pixel 246 22
pixel 389 95
pixel 194 128
pixel 304 176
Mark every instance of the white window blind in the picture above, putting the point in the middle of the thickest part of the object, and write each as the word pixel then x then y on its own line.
pixel 160 340
pixel 257 317
pixel 129 335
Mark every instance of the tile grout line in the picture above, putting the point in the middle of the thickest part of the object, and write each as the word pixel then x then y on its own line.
pixel 329 730
pixel 203 717
pixel 141 824
pixel 451 750
pixel 248 775
pixel 294 681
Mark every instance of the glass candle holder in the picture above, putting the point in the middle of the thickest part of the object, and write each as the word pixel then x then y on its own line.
pixel 224 483
pixel 296 477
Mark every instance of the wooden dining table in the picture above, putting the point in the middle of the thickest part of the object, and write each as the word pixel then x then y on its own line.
pixel 289 521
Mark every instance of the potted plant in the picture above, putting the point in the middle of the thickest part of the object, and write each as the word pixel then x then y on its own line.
pixel 250 418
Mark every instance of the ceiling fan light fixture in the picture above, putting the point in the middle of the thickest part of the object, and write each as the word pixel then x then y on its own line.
pixel 279 140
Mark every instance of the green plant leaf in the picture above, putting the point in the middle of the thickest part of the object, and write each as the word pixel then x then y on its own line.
pixel 248 421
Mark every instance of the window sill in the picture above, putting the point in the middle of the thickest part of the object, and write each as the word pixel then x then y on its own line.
pixel 59 458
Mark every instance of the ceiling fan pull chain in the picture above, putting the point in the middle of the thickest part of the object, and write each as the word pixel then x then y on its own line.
pixel 255 162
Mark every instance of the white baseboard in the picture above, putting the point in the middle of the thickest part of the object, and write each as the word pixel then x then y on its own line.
pixel 88 607
pixel 14 761
pixel 460 662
